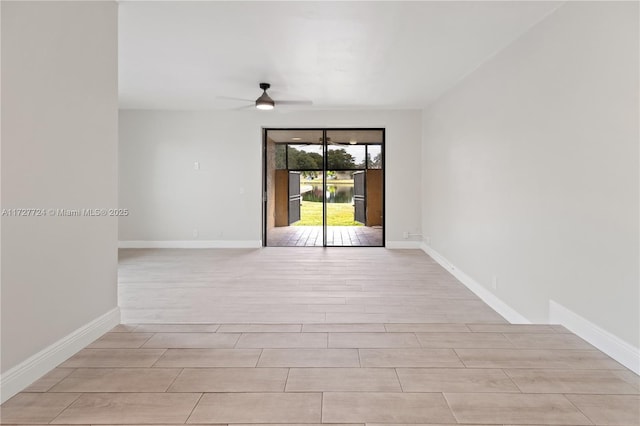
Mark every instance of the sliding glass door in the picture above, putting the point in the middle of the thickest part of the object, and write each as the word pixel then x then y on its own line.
pixel 323 187
pixel 354 188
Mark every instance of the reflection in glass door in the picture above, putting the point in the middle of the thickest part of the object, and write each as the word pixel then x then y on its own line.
pixel 323 187
pixel 354 174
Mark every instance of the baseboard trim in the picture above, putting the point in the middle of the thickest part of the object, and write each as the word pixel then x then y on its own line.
pixel 482 292
pixel 403 245
pixel 616 348
pixel 191 244
pixel 22 375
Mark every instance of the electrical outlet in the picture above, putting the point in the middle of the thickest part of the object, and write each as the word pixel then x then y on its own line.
pixel 405 235
pixel 196 165
pixel 195 233
pixel 494 282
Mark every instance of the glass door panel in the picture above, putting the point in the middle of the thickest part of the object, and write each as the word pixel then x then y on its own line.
pixel 294 185
pixel 354 190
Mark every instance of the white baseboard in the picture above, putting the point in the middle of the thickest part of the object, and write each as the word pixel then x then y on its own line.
pixel 482 292
pixel 22 375
pixel 407 244
pixel 191 244
pixel 616 348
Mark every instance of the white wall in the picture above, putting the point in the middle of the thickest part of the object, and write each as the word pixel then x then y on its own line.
pixel 168 198
pixel 59 150
pixel 530 169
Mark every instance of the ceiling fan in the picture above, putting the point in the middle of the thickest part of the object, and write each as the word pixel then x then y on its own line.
pixel 265 102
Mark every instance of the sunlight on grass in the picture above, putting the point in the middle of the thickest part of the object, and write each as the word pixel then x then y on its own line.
pixel 338 214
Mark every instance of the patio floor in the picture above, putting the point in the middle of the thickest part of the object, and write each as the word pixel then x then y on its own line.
pixel 311 236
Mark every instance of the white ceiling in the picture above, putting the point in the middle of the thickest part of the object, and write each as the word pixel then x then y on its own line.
pixel 191 55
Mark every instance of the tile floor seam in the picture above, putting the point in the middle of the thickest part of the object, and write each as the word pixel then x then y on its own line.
pixel 61 411
pixel 53 385
pixel 186 421
pixel 235 344
pixel 174 380
pixel 505 372
pixel 259 357
pixel 399 381
pixel 286 381
pixel 564 395
pixel 159 358
pixel 145 342
pixel 460 358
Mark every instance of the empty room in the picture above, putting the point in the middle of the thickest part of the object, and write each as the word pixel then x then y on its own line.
pixel 316 212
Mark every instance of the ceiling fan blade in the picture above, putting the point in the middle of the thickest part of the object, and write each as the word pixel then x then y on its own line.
pixel 293 102
pixel 235 99
pixel 243 107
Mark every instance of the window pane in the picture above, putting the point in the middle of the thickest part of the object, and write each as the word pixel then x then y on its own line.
pixel 374 157
pixel 345 157
pixel 305 157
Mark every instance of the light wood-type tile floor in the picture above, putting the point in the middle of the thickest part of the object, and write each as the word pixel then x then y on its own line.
pixel 293 285
pixel 375 371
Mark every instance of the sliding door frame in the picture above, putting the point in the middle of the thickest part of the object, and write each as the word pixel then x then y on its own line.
pixel 325 164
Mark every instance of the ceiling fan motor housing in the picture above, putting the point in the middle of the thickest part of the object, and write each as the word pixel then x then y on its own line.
pixel 265 101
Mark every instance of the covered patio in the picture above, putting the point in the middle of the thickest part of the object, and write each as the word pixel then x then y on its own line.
pixel 311 236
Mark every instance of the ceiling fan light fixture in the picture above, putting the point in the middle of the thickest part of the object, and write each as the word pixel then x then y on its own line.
pixel 265 102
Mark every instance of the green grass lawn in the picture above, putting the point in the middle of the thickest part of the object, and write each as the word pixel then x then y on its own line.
pixel 338 214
